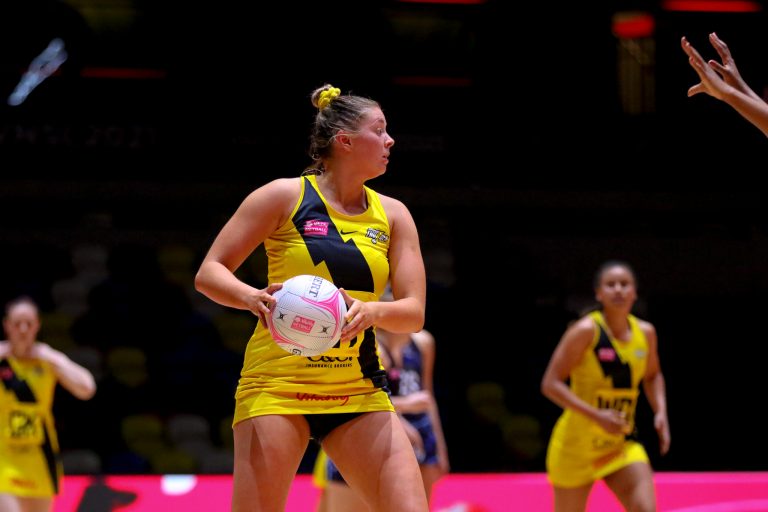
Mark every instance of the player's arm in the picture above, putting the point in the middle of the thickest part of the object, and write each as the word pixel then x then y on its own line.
pixel 426 343
pixel 569 351
pixel 655 388
pixel 259 215
pixel 412 403
pixel 407 274
pixel 74 378
pixel 753 110
pixel 722 81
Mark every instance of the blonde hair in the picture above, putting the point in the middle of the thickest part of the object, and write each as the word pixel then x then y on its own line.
pixel 335 112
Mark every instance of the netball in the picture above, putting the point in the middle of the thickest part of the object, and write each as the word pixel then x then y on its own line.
pixel 308 316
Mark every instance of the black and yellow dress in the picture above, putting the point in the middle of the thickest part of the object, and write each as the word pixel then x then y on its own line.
pixel 608 376
pixel 29 463
pixel 352 252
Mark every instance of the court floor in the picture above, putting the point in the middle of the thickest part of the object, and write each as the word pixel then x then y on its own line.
pixel 486 492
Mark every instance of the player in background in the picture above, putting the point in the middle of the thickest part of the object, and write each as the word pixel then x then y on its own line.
pixel 30 470
pixel 409 360
pixel 606 355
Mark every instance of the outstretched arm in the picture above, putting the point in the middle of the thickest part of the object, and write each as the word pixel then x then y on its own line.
pixel 73 377
pixel 724 82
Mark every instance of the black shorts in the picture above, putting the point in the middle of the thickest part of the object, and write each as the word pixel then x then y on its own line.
pixel 320 425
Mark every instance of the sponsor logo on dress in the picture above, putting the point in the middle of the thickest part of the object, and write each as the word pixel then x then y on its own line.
pixel 23 482
pixel 316 227
pixel 311 397
pixel 606 355
pixel 329 362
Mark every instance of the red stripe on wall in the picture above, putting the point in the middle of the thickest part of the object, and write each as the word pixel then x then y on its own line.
pixel 711 5
pixel 468 2
pixel 124 73
pixel 634 26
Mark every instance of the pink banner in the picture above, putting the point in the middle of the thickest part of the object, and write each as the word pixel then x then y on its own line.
pixel 487 492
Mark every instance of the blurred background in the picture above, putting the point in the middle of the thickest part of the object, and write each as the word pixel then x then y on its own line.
pixel 533 142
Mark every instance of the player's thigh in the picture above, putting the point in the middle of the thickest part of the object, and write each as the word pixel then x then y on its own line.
pixel 633 486
pixel 36 504
pixel 571 499
pixel 267 449
pixel 9 503
pixel 339 497
pixel 375 457
pixel 430 473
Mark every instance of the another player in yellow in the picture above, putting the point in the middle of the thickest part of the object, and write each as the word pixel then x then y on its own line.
pixel 606 355
pixel 30 470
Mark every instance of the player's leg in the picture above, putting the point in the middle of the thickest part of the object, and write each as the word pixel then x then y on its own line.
pixel 376 458
pixel 340 497
pixel 9 503
pixel 633 486
pixel 35 504
pixel 430 473
pixel 268 451
pixel 571 499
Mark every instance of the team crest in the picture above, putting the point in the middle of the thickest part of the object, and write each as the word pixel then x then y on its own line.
pixel 377 235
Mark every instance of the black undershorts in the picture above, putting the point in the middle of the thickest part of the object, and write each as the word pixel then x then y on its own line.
pixel 320 425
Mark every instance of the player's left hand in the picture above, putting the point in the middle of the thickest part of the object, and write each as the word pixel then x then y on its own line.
pixel 359 317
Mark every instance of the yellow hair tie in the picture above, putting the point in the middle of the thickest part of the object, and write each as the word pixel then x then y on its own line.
pixel 327 96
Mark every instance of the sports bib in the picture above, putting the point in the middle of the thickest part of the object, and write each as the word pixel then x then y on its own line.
pixel 22 425
pixel 622 400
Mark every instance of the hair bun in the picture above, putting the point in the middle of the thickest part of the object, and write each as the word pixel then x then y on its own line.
pixel 327 96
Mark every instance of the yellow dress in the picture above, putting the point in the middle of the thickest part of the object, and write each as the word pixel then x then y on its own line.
pixel 352 252
pixel 608 376
pixel 29 449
